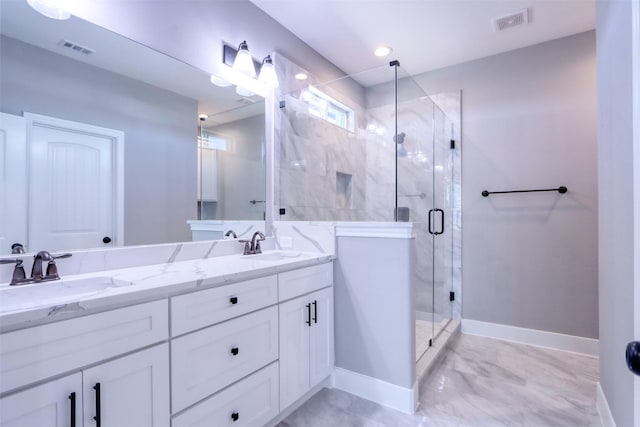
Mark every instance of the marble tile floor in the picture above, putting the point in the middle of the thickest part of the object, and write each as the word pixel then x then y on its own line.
pixel 480 382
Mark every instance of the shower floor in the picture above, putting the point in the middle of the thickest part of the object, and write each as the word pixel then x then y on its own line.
pixel 426 329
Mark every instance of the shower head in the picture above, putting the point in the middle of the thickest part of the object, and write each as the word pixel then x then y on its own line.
pixel 399 139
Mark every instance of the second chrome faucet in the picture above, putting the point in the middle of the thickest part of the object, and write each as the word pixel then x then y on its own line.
pixel 252 247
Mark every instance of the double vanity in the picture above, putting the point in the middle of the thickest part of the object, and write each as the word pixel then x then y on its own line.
pixel 226 341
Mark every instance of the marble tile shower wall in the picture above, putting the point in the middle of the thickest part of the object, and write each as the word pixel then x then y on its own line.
pixel 313 156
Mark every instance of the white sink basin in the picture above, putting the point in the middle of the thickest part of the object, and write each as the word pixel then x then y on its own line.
pixel 273 256
pixel 42 294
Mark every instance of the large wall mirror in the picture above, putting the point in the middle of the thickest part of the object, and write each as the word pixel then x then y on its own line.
pixel 101 143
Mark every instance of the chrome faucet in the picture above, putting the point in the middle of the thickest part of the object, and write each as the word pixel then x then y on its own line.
pixel 252 247
pixel 255 242
pixel 37 274
pixel 36 269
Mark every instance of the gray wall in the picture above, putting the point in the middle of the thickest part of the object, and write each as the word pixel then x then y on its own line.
pixel 529 121
pixel 374 313
pixel 160 130
pixel 615 181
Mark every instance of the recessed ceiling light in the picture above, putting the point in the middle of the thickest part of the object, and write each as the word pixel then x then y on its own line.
pixel 203 117
pixel 219 81
pixel 382 51
pixel 50 9
pixel 301 76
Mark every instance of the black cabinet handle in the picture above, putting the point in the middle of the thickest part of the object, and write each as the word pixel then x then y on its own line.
pixel 633 357
pixel 235 351
pixel 97 417
pixel 315 311
pixel 235 416
pixel 233 300
pixel 72 397
pixel 308 321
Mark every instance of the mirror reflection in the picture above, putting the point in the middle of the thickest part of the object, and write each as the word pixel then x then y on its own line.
pixel 101 143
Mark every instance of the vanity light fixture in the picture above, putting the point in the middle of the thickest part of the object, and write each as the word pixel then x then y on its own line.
pixel 244 62
pixel 49 9
pixel 301 76
pixel 268 73
pixel 382 51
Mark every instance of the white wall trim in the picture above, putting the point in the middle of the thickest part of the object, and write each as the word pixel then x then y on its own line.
pixel 385 230
pixel 606 417
pixel 378 391
pixel 587 346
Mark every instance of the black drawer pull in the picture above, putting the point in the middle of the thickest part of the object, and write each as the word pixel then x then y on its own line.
pixel 235 351
pixel 315 311
pixel 97 417
pixel 235 416
pixel 233 300
pixel 72 397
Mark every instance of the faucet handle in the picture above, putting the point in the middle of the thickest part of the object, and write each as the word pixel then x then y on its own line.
pixel 19 275
pixel 52 268
pixel 248 247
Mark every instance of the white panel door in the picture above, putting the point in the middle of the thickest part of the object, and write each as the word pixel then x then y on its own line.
pixel 132 391
pixel 13 167
pixel 54 404
pixel 72 185
pixel 321 338
pixel 294 349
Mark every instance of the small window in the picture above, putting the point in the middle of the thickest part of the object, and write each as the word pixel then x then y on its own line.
pixel 326 108
pixel 214 141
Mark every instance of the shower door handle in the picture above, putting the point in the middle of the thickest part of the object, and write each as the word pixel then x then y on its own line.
pixel 431 211
pixel 441 221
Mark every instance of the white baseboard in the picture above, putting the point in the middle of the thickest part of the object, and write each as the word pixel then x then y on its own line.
pixel 606 417
pixel 378 391
pixel 587 346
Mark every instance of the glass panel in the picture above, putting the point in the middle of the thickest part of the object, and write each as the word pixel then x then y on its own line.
pixel 335 155
pixel 231 165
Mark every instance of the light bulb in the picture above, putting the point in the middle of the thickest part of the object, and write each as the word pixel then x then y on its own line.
pixel 244 62
pixel 268 73
pixel 49 9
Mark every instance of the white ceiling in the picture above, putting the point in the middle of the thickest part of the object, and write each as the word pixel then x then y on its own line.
pixel 123 56
pixel 424 34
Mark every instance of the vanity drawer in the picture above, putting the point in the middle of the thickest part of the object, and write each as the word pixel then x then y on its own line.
pixel 305 280
pixel 252 401
pixel 199 309
pixel 204 362
pixel 40 352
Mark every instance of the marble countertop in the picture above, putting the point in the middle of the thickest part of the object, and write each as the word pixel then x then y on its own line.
pixel 33 304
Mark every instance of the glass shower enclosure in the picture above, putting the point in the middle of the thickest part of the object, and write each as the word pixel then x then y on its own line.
pixel 373 146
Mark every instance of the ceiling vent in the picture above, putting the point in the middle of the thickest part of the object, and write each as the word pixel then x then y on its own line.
pixel 512 20
pixel 76 47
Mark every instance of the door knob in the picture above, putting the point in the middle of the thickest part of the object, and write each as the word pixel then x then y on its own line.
pixel 106 239
pixel 633 357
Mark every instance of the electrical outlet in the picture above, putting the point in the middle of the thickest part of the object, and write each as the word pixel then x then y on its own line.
pixel 285 242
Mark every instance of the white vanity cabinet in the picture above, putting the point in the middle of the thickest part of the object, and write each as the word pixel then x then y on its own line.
pixel 306 331
pixel 54 404
pixel 132 390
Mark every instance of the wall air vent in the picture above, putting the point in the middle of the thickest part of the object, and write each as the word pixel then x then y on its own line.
pixel 512 20
pixel 75 47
